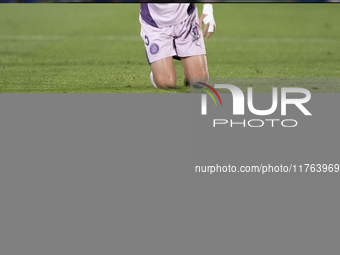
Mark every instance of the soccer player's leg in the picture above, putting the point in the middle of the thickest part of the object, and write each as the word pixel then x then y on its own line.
pixel 159 49
pixel 164 73
pixel 195 67
pixel 190 48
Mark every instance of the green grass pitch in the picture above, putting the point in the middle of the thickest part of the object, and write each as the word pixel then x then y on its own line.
pixel 96 48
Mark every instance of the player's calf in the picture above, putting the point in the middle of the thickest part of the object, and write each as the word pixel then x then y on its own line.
pixel 195 67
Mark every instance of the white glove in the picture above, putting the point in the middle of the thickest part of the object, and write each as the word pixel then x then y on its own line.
pixel 208 10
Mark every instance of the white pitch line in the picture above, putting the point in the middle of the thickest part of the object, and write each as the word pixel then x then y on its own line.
pixel 33 37
pixel 276 40
pixel 138 38
pixel 67 37
pixel 122 37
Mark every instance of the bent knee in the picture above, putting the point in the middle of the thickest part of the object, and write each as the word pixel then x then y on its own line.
pixel 188 81
pixel 169 83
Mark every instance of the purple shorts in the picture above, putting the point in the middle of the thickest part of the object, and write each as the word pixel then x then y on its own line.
pixel 182 40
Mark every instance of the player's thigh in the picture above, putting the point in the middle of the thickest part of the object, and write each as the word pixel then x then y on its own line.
pixel 164 73
pixel 195 67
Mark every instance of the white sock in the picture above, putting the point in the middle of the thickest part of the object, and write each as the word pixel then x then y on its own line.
pixel 151 78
